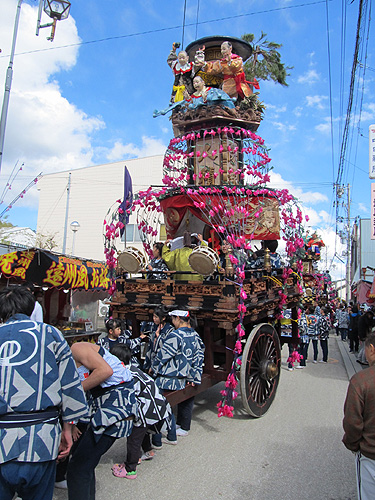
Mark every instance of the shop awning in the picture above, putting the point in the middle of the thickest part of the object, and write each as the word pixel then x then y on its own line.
pixel 53 270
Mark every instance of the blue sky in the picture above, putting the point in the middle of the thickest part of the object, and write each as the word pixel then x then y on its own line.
pixel 92 103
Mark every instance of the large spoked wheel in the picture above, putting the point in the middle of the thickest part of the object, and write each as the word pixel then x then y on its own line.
pixel 260 369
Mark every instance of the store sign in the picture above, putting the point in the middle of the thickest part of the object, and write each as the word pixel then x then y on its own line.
pixel 372 151
pixel 373 211
pixel 58 271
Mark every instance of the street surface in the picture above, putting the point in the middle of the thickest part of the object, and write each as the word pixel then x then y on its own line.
pixel 294 452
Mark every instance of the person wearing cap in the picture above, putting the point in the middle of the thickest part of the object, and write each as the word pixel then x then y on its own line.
pixel 178 363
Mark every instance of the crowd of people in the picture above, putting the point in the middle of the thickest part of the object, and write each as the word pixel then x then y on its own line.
pixel 351 323
pixel 74 403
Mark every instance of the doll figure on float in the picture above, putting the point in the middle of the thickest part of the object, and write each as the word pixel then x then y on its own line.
pixel 202 96
pixel 183 72
pixel 230 67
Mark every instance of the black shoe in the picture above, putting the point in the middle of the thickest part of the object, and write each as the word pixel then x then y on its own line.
pixel 350 350
pixel 364 363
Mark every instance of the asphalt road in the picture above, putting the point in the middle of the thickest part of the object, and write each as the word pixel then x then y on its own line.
pixel 294 452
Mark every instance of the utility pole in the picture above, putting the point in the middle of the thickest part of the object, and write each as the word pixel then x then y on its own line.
pixel 345 235
pixel 8 82
pixel 348 247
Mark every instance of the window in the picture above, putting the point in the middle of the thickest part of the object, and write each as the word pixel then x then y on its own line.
pixel 132 234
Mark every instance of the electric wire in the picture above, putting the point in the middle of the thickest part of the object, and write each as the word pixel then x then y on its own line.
pixel 160 30
pixel 196 23
pixel 183 26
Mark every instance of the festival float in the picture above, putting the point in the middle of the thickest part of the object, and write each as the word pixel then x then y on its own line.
pixel 318 286
pixel 215 183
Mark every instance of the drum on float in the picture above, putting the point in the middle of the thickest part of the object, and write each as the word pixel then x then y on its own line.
pixel 132 260
pixel 204 260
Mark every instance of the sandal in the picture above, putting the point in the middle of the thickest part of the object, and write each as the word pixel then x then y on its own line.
pixel 124 473
pixel 117 466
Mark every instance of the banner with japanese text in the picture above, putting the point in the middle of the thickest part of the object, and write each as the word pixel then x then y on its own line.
pixel 44 268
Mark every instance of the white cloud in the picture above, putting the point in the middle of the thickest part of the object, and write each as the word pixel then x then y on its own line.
pixel 298 111
pixel 320 221
pixel 363 208
pixel 304 196
pixel 283 126
pixel 325 128
pixel 310 77
pixel 316 101
pixel 150 147
pixel 43 128
pixel 279 109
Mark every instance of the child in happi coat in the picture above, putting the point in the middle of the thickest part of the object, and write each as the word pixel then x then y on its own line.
pixel 157 332
pixel 304 340
pixel 153 412
pixel 118 335
pixel 313 330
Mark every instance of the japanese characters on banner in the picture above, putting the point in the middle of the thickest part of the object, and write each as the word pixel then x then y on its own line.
pixel 372 151
pixel 47 269
pixel 373 210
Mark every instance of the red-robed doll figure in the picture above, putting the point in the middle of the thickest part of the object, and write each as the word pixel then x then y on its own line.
pixel 231 68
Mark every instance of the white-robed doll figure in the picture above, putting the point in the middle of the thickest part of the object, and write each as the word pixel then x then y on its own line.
pixel 183 71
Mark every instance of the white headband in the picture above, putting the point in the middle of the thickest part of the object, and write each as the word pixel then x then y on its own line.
pixel 177 312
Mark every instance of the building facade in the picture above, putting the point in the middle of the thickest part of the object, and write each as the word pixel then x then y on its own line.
pixel 87 195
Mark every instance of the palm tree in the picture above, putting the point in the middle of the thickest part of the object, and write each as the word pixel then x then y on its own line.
pixel 265 61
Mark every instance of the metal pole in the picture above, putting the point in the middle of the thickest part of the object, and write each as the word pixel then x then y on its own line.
pixel 66 214
pixel 348 251
pixel 39 17
pixel 8 82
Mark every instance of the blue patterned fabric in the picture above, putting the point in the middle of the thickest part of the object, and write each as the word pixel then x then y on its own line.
pixel 312 326
pixel 302 329
pixel 37 371
pixel 324 327
pixel 153 409
pixel 113 412
pixel 155 343
pixel 179 360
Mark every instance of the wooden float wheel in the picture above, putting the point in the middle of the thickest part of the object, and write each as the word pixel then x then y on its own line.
pixel 260 369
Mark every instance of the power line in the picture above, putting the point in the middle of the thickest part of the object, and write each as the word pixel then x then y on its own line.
pixel 159 30
pixel 330 92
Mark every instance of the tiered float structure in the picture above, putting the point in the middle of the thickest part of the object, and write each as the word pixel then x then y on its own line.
pixel 215 183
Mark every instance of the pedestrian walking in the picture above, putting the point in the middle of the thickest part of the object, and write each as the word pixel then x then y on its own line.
pixel 304 340
pixel 342 318
pixel 324 327
pixel 365 324
pixel 312 330
pixel 359 423
pixel 353 329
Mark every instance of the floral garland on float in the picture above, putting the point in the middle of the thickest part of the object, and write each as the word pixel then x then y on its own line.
pixel 235 202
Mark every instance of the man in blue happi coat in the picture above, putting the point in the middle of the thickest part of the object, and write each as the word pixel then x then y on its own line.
pixel 38 385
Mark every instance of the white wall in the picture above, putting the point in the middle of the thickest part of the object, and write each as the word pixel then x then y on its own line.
pixel 93 191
